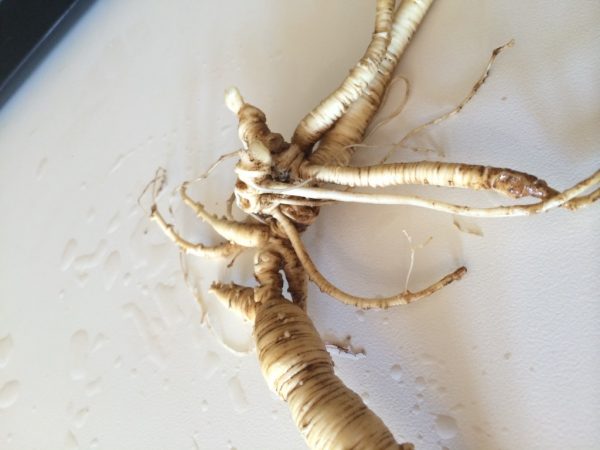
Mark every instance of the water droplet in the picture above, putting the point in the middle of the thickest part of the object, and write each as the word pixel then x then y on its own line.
pixel 196 446
pixel 445 426
pixel 507 355
pixel 114 223
pixel 118 362
pixel 94 444
pixel 237 395
pixel 79 353
pixel 360 315
pixel 117 164
pixel 144 328
pixel 9 393
pixel 167 301
pixel 68 255
pixel 211 364
pixel 6 348
pixel 204 406
pixel 41 169
pixel 427 359
pixel 93 387
pixel 286 334
pixel 467 226
pixel 111 269
pixel 99 341
pixel 80 417
pixel 126 279
pixel 71 442
pixel 365 397
pixel 420 384
pixel 396 372
pixel 90 215
pixel 88 261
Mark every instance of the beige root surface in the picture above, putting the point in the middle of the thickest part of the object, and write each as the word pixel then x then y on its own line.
pixel 279 187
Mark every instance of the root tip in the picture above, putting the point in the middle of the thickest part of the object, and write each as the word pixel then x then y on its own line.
pixel 233 99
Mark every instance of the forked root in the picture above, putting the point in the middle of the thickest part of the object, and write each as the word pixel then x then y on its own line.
pixel 223 250
pixel 244 234
pixel 361 302
pixel 568 199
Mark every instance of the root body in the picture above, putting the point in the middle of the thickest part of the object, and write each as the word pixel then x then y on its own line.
pixel 279 187
pixel 297 366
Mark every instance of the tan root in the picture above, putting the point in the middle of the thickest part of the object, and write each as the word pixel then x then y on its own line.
pixel 280 188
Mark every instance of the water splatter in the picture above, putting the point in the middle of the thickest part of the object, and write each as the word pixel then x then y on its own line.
pixel 467 226
pixel 94 387
pixel 211 364
pixel 445 426
pixel 84 263
pixel 416 409
pixel 420 384
pixel 365 397
pixel 114 223
pixel 6 348
pixel 80 417
pixel 9 393
pixel 167 303
pixel 396 372
pixel 79 352
pixel 99 341
pixel 111 269
pixel 41 169
pixel 195 442
pixel 71 442
pixel 237 395
pixel 68 255
pixel 146 332
pixel 360 315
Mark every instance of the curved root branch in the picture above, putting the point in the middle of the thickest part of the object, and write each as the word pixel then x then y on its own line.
pixel 223 250
pixel 361 302
pixel 458 108
pixel 244 234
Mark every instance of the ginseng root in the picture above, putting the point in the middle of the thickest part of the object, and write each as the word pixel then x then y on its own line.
pixel 280 186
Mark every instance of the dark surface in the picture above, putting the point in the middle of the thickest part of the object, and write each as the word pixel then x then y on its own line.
pixel 28 30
